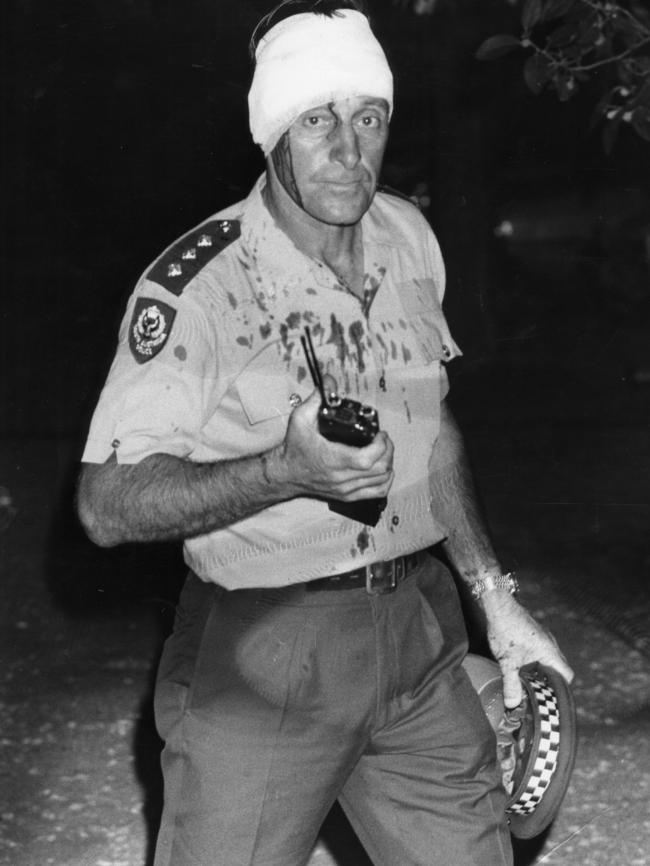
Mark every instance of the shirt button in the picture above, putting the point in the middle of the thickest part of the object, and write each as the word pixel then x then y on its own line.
pixel 446 350
pixel 395 519
pixel 295 400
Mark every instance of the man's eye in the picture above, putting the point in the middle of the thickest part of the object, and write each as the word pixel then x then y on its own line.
pixel 315 120
pixel 370 121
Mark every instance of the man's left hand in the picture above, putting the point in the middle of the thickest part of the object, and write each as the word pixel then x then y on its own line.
pixel 516 639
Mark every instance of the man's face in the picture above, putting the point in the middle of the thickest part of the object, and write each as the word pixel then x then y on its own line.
pixel 330 158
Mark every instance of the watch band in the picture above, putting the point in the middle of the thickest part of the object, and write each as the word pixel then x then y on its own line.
pixel 502 581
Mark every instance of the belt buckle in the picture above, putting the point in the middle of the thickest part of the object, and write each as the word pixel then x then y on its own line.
pixel 382 577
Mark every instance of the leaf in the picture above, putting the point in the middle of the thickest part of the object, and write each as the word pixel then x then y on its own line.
pixel 537 72
pixel 629 30
pixel 598 113
pixel 604 103
pixel 589 30
pixel 531 14
pixel 643 95
pixel 564 34
pixel 497 46
pixel 557 8
pixel 641 123
pixel 565 86
pixel 625 70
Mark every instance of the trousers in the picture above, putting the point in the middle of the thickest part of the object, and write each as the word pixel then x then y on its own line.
pixel 274 703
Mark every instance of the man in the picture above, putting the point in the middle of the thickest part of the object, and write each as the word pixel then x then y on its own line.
pixel 314 657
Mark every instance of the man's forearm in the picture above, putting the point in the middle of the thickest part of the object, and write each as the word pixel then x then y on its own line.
pixel 515 639
pixel 165 498
pixel 456 506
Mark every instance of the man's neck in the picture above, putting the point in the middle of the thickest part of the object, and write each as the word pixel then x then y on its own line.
pixel 339 247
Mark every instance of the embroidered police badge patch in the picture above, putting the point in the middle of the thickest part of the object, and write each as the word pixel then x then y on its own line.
pixel 150 327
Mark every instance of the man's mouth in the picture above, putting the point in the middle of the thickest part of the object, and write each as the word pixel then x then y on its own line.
pixel 343 184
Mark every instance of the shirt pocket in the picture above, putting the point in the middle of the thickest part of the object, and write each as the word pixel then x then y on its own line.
pixel 426 321
pixel 269 389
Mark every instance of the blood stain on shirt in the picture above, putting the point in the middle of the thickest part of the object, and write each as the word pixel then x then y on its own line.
pixel 317 330
pixel 356 335
pixel 362 540
pixel 383 345
pixel 288 346
pixel 337 338
pixel 181 353
pixel 293 320
pixel 232 300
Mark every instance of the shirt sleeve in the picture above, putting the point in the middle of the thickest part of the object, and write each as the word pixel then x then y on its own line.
pixel 158 389
pixel 436 268
pixel 435 262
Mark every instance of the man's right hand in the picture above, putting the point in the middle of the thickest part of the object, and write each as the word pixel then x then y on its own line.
pixel 314 466
pixel 165 497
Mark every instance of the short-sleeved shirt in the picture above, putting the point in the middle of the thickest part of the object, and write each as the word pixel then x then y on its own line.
pixel 209 368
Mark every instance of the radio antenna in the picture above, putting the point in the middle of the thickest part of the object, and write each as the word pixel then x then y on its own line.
pixel 314 369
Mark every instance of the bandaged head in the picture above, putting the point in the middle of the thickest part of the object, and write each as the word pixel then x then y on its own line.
pixel 308 60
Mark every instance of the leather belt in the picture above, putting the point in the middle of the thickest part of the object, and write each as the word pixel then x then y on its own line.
pixel 378 578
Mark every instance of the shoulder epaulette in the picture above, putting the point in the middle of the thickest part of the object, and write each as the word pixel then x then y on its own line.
pixel 176 268
pixel 388 190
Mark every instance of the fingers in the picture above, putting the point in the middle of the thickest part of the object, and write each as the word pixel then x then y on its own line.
pixel 324 467
pixel 559 664
pixel 329 385
pixel 305 414
pixel 372 464
pixel 549 654
pixel 365 489
pixel 513 692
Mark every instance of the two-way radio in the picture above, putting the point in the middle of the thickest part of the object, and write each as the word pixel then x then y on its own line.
pixel 350 423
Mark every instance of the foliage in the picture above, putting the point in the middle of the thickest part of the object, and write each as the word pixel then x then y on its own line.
pixel 571 42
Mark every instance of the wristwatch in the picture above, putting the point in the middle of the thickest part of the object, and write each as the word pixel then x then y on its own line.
pixel 502 581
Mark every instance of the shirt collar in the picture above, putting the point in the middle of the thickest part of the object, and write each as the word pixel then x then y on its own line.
pixel 271 250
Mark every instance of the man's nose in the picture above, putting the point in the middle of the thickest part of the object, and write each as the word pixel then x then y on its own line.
pixel 345 146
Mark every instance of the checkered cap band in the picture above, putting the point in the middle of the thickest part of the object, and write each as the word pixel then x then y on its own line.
pixel 547 754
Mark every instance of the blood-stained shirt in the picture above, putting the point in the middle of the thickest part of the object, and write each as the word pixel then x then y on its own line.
pixel 210 365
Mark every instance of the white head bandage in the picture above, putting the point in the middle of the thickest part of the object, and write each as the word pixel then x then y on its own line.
pixel 309 60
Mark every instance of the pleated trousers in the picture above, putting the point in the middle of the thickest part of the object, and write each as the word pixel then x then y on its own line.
pixel 274 703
